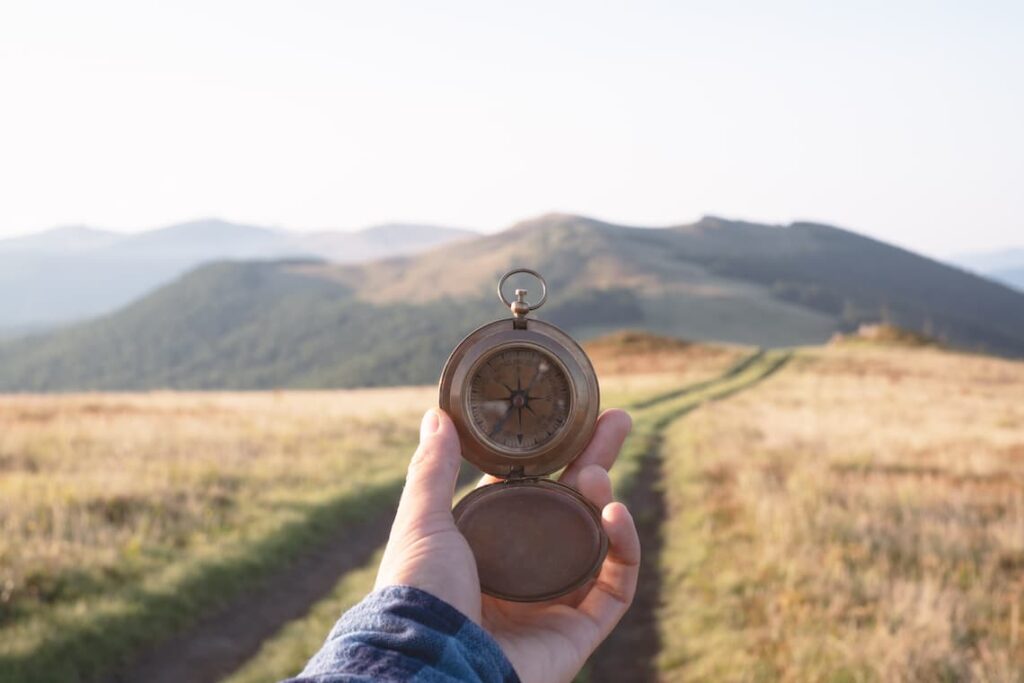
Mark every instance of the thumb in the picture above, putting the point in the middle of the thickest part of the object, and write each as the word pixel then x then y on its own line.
pixel 430 482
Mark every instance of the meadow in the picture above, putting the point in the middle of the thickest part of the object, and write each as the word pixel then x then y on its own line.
pixel 844 513
pixel 860 517
pixel 124 517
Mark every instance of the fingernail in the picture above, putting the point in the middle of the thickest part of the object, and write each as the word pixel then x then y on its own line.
pixel 429 425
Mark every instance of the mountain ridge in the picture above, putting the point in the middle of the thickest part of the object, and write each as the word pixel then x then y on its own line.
pixel 75 272
pixel 309 323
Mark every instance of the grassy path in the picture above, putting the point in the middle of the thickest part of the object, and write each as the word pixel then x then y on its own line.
pixel 286 652
pixel 860 518
pixel 125 519
pixel 219 643
pixel 77 652
pixel 223 641
pixel 632 650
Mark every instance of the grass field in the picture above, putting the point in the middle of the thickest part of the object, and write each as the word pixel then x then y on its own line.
pixel 858 518
pixel 122 517
pixel 289 650
pixel 855 513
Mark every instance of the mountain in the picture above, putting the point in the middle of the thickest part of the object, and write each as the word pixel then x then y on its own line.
pixel 1002 265
pixel 66 238
pixel 1013 277
pixel 202 238
pixel 379 241
pixel 78 272
pixel 308 323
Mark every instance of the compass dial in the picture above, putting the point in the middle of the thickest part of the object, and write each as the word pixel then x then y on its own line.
pixel 519 398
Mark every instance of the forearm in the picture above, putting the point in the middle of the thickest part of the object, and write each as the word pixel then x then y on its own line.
pixel 402 633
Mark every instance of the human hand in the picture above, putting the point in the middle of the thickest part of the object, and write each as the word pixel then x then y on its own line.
pixel 548 641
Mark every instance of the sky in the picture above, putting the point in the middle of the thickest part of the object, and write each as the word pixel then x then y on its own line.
pixel 901 120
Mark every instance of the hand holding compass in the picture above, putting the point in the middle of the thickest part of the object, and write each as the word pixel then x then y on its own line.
pixel 523 397
pixel 547 567
pixel 545 641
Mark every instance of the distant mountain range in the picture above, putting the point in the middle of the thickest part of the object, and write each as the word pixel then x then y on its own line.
pixel 77 272
pixel 309 323
pixel 1011 276
pixel 1004 265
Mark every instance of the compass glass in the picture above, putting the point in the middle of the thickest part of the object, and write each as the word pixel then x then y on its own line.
pixel 519 398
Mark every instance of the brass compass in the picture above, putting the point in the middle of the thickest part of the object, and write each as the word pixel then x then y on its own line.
pixel 524 398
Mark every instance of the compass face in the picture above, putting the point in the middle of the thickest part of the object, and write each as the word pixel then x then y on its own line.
pixel 519 398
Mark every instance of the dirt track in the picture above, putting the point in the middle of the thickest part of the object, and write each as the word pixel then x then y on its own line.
pixel 219 644
pixel 222 642
pixel 629 653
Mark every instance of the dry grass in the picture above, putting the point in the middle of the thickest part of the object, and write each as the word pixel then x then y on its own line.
pixel 859 517
pixel 116 505
pixel 102 496
pixel 287 652
pixel 638 365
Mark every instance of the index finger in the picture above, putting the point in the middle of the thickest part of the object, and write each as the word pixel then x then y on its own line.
pixel 613 426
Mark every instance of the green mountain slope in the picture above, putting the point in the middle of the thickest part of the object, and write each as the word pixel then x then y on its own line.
pixel 241 325
pixel 859 279
pixel 312 324
pixel 74 273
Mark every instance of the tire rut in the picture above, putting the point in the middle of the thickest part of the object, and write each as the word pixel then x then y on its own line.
pixel 220 643
pixel 630 653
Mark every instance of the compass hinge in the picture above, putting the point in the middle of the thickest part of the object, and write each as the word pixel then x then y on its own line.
pixel 516 472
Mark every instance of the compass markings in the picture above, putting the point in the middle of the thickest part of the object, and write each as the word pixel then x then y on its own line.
pixel 541 406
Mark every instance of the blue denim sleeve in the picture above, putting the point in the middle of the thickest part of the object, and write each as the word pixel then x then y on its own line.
pixel 399 633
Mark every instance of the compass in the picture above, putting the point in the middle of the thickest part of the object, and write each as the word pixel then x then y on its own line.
pixel 524 398
pixel 519 398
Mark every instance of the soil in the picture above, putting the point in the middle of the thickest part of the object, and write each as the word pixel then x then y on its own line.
pixel 222 642
pixel 630 651
pixel 219 644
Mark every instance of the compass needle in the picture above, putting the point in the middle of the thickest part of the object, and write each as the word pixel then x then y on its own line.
pixel 501 423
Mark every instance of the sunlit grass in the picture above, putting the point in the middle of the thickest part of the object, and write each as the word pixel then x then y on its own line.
pixel 288 651
pixel 125 516
pixel 284 655
pixel 858 518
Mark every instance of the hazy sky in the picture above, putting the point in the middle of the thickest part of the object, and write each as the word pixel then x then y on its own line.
pixel 904 120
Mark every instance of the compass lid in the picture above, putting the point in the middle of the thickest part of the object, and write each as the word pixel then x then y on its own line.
pixel 533 539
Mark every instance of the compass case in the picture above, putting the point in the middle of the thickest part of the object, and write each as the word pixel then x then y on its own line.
pixel 533 539
pixel 573 437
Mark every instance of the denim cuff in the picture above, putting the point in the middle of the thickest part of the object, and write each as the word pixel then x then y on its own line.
pixel 401 633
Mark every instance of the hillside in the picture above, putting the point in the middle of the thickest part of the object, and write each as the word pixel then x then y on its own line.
pixel 312 324
pixel 76 272
pixel 719 279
